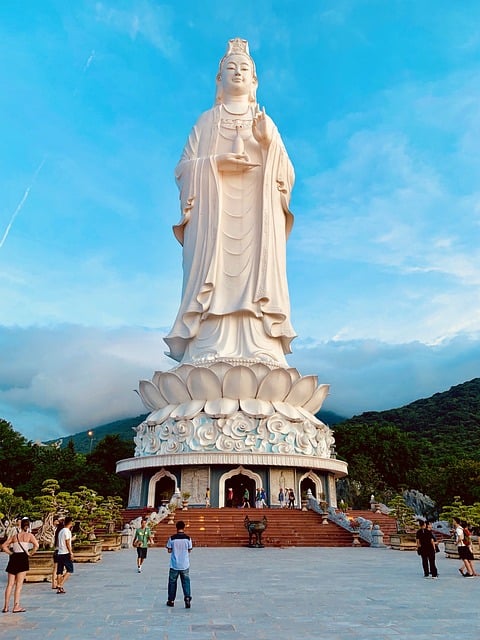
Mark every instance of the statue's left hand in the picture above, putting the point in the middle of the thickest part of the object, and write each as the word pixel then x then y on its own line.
pixel 262 128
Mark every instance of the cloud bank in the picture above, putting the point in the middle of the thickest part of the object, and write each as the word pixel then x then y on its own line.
pixel 56 382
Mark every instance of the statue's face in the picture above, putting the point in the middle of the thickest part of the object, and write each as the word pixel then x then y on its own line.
pixel 237 75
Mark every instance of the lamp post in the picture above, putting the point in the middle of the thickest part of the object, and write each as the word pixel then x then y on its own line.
pixel 92 438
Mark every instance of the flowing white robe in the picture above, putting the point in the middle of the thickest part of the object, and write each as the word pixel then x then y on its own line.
pixel 234 227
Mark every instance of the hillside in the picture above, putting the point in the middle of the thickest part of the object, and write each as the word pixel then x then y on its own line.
pixel 449 421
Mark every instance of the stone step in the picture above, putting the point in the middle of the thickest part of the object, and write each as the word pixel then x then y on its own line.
pixel 225 527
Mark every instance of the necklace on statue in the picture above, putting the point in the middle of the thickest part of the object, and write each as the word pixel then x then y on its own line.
pixel 234 113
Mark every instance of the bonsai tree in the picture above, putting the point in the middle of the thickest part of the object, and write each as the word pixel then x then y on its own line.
pixel 11 506
pixel 51 503
pixel 109 513
pixel 403 514
pixel 469 513
pixel 85 510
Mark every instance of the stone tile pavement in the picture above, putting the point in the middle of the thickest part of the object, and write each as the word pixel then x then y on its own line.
pixel 266 594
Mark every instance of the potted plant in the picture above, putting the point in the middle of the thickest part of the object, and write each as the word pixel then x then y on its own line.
pixel 404 539
pixel 185 497
pixel 172 507
pixel 109 521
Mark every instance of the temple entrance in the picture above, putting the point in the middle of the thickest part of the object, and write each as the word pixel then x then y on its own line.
pixel 305 485
pixel 164 490
pixel 239 483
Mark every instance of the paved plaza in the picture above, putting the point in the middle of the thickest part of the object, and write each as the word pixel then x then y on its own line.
pixel 266 594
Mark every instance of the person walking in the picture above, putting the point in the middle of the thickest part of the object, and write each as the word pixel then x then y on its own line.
pixel 179 547
pixel 464 552
pixel 291 499
pixel 143 536
pixel 65 554
pixel 246 499
pixel 426 549
pixel 18 546
pixel 281 498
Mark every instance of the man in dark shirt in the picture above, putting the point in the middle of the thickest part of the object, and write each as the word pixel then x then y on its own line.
pixel 426 549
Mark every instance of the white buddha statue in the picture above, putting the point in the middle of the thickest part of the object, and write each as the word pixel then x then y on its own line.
pixel 235 180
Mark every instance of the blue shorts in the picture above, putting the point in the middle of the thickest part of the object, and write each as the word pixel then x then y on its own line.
pixel 64 561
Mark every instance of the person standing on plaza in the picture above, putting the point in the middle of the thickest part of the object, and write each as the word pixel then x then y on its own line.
pixel 58 523
pixel 65 554
pixel 18 546
pixel 179 547
pixel 426 549
pixel 143 536
pixel 464 552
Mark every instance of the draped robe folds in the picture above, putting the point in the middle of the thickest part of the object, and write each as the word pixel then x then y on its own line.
pixel 243 311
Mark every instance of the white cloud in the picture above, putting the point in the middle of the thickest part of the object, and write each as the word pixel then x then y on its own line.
pixel 143 19
pixel 55 382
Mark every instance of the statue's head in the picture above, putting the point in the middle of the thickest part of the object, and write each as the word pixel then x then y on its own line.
pixel 237 57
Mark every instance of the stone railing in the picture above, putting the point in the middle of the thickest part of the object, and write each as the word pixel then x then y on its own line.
pixel 367 530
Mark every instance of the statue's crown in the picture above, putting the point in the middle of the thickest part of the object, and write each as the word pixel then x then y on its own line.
pixel 237 45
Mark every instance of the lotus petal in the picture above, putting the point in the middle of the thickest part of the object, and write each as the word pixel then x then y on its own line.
pixel 203 384
pixel 173 388
pixel 260 370
pixel 317 399
pixel 294 373
pixel 310 417
pixel 151 396
pixel 257 408
pixel 159 416
pixel 240 382
pixel 275 386
pixel 289 412
pixel 221 407
pixel 302 391
pixel 220 369
pixel 183 371
pixel 187 410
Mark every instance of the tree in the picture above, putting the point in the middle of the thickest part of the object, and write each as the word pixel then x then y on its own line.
pixel 16 461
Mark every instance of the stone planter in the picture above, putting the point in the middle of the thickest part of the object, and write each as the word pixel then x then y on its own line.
pixel 452 552
pixel 171 517
pixel 87 551
pixel 403 541
pixel 41 567
pixel 184 505
pixel 111 541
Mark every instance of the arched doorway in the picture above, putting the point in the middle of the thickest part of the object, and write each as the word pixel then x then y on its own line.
pixel 239 483
pixel 238 479
pixel 164 490
pixel 311 481
pixel 161 487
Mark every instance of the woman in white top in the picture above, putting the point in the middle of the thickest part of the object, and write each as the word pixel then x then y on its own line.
pixel 18 547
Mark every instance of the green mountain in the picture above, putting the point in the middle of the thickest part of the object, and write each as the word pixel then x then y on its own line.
pixel 449 421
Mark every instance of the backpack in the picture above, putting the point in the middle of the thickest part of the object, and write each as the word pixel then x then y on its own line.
pixel 467 537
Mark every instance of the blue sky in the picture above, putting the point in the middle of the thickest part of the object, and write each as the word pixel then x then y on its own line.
pixel 378 104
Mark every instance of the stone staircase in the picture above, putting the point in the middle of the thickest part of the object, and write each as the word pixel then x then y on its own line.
pixel 286 527
pixel 387 524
